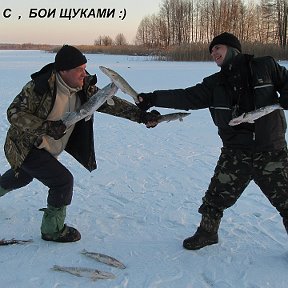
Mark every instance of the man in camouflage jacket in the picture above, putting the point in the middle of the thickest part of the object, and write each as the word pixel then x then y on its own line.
pixel 251 151
pixel 37 135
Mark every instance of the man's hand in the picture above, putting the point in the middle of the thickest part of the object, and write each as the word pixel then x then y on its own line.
pixel 150 119
pixel 55 129
pixel 145 101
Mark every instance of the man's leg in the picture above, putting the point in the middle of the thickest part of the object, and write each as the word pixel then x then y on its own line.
pixel 231 176
pixel 47 169
pixel 10 181
pixel 272 178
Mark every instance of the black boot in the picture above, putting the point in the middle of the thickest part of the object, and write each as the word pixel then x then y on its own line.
pixel 200 239
pixel 207 232
pixel 68 234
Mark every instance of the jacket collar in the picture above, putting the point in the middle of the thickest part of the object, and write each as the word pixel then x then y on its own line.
pixel 44 79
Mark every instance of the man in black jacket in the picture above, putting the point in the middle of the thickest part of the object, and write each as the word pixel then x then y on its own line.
pixel 251 151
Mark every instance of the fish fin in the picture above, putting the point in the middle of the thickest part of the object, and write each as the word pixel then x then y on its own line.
pixel 88 118
pixel 110 102
pixel 251 121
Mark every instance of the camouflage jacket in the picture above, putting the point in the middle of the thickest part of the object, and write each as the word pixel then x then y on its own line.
pixel 33 104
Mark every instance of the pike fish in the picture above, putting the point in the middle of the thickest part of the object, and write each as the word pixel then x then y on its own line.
pixel 172 117
pixel 89 107
pixel 94 274
pixel 120 82
pixel 106 259
pixel 14 241
pixel 250 117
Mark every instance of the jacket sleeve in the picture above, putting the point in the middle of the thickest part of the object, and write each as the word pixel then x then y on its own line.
pixel 195 97
pixel 123 109
pixel 21 112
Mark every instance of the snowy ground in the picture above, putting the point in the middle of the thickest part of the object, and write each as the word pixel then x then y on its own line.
pixel 142 201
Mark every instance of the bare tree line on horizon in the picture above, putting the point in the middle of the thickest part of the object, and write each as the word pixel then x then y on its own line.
pixel 198 21
pixel 182 29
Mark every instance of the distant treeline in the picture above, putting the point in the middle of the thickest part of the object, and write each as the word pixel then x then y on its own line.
pixel 26 46
pixel 188 52
pixel 181 22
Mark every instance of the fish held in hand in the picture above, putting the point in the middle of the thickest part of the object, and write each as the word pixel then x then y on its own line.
pixel 89 107
pixel 120 82
pixel 250 117
pixel 172 117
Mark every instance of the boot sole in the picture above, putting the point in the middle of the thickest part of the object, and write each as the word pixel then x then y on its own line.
pixel 208 243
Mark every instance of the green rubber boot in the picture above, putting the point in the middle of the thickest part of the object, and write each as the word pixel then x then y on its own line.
pixel 53 227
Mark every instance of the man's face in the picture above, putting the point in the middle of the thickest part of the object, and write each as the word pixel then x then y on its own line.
pixel 218 53
pixel 74 78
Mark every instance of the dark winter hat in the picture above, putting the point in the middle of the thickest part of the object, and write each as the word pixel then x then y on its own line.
pixel 69 57
pixel 226 39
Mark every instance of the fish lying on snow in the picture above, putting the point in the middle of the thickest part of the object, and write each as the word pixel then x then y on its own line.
pixel 172 117
pixel 120 82
pixel 106 259
pixel 89 107
pixel 94 274
pixel 250 117
pixel 14 241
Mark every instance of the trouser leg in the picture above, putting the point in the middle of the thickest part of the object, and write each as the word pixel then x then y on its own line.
pixel 10 180
pixel 231 176
pixel 47 169
pixel 272 177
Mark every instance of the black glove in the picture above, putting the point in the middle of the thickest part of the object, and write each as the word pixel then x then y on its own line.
pixel 54 129
pixel 149 117
pixel 147 101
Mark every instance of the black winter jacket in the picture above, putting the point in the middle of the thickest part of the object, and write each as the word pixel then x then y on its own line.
pixel 269 85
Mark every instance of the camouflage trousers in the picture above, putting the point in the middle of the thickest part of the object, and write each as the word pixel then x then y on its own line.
pixel 234 171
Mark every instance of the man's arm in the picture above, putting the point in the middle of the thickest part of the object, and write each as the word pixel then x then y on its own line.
pixel 127 110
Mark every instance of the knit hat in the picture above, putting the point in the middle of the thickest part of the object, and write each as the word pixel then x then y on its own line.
pixel 226 39
pixel 69 57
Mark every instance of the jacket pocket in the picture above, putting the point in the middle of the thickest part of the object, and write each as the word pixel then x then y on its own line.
pixel 221 116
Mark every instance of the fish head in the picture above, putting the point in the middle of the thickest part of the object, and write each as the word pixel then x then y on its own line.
pixel 237 120
pixel 110 73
